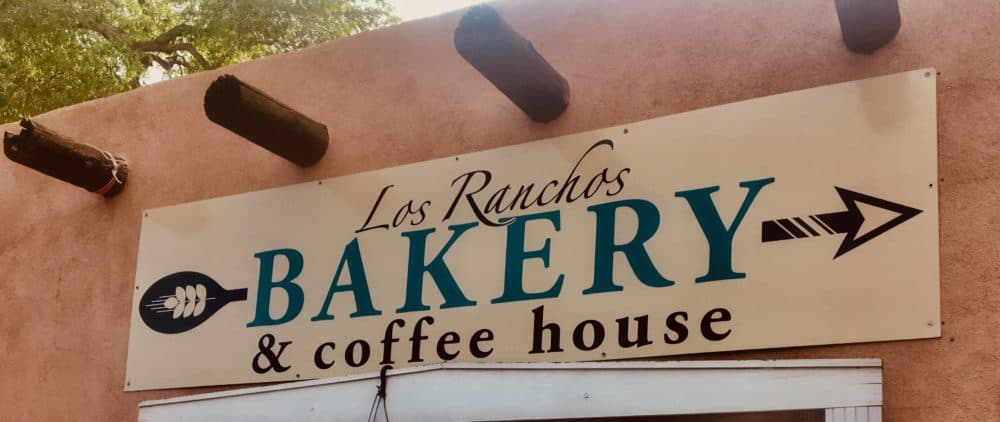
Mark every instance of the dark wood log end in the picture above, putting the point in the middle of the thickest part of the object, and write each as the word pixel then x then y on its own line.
pixel 867 25
pixel 55 155
pixel 511 63
pixel 222 92
pixel 265 121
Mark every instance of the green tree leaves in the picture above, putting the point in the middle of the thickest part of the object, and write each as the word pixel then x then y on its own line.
pixel 59 52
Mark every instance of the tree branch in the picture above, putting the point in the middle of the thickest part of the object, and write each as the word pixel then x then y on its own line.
pixel 173 33
pixel 197 56
pixel 151 47
pixel 163 43
pixel 165 63
pixel 109 32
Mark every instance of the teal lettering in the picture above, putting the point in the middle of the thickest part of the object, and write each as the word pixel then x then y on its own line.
pixel 648 220
pixel 437 269
pixel 266 283
pixel 359 285
pixel 720 238
pixel 513 280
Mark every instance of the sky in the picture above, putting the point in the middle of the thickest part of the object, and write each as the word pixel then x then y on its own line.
pixel 416 9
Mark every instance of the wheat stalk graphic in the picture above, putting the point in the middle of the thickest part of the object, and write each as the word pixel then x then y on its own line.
pixel 187 301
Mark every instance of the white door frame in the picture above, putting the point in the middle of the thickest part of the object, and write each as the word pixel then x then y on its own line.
pixel 850 389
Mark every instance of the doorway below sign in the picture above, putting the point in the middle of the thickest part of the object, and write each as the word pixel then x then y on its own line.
pixel 690 391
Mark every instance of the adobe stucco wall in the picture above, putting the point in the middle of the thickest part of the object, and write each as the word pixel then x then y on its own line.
pixel 400 95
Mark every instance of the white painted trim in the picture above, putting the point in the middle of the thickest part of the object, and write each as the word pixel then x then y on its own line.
pixel 707 364
pixel 854 414
pixel 464 391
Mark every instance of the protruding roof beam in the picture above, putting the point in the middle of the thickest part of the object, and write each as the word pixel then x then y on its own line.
pixel 511 63
pixel 55 155
pixel 867 25
pixel 254 115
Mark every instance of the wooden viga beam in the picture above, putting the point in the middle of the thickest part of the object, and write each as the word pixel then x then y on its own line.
pixel 867 25
pixel 55 155
pixel 511 64
pixel 254 115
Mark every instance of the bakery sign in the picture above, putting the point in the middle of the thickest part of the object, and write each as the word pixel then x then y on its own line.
pixel 804 218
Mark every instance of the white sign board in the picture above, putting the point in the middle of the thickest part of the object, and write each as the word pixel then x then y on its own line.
pixel 798 219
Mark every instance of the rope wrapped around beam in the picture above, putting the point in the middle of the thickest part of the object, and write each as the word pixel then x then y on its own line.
pixel 58 156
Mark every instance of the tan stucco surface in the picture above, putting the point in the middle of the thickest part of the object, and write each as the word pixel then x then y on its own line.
pixel 403 94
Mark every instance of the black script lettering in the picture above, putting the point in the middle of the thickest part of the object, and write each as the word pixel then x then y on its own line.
pixel 371 214
pixel 418 337
pixel 484 200
pixel 539 328
pixel 450 337
pixel 476 209
pixel 266 350
pixel 356 361
pixel 479 337
pixel 407 210
pixel 318 356
pixel 711 317
pixel 642 332
pixel 579 331
pixel 673 324
pixel 388 339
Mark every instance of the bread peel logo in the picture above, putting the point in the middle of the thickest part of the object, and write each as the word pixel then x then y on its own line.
pixel 181 301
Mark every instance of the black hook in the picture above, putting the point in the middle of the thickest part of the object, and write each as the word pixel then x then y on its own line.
pixel 383 377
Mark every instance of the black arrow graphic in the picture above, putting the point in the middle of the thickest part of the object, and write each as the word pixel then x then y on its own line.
pixel 849 222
